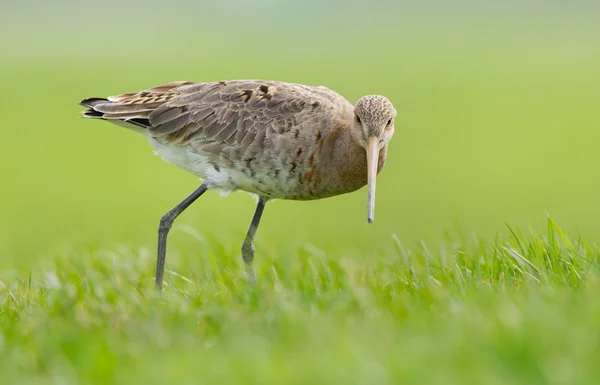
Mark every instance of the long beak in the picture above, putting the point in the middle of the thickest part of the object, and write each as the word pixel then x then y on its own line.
pixel 372 163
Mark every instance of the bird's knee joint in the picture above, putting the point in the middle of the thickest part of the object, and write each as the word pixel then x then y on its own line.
pixel 248 252
pixel 165 222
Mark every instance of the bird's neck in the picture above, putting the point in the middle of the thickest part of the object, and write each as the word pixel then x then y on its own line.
pixel 350 160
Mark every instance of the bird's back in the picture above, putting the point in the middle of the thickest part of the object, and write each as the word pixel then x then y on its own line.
pixel 271 138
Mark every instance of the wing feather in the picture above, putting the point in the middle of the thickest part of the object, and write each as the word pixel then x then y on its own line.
pixel 237 112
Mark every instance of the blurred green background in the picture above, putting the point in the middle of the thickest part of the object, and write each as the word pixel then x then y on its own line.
pixel 498 117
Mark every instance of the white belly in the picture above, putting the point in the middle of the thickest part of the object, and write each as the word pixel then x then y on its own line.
pixel 225 179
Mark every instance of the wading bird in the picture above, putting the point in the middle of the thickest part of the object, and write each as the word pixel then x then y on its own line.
pixel 273 139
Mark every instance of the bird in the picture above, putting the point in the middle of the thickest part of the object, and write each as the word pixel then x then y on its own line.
pixel 272 139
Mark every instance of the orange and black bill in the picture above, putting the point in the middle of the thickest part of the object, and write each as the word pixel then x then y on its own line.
pixel 372 163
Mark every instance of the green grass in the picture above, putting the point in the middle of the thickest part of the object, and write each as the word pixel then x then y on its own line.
pixel 518 310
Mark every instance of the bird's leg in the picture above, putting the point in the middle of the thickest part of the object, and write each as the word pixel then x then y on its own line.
pixel 248 246
pixel 165 225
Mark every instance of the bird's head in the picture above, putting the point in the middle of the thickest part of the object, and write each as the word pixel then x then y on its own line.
pixel 373 128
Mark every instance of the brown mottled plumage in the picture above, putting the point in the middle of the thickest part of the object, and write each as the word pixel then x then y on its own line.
pixel 272 139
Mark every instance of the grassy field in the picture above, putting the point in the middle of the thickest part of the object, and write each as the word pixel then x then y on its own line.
pixel 518 310
pixel 497 123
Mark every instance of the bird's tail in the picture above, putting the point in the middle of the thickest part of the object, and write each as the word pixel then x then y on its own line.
pixel 133 109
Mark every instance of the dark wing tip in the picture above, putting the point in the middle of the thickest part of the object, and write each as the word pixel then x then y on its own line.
pixel 91 102
pixel 91 113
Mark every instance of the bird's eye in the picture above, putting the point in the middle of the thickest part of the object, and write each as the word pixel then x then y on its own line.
pixel 357 119
pixel 389 123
